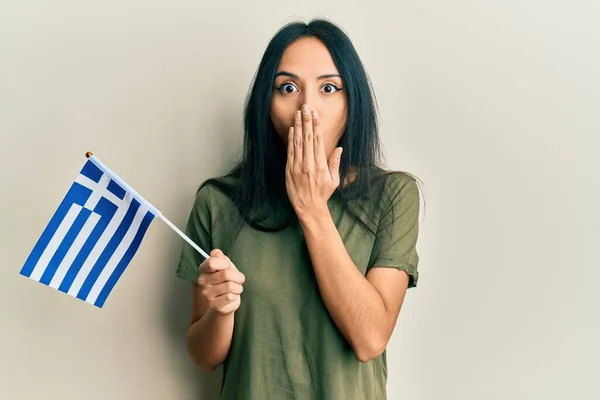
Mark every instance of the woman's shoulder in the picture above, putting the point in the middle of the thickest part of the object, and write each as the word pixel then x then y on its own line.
pixel 397 190
pixel 213 201
pixel 394 181
pixel 217 189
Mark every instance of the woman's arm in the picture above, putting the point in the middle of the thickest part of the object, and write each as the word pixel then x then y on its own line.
pixel 215 298
pixel 210 332
pixel 365 309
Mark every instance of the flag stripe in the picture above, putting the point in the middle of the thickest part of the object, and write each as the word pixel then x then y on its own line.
pixel 65 245
pixel 99 246
pixel 57 238
pixel 148 218
pixel 107 211
pixel 109 250
pixel 76 251
pixel 76 193
pixel 117 255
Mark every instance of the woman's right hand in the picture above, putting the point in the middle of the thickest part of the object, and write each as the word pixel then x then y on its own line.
pixel 221 283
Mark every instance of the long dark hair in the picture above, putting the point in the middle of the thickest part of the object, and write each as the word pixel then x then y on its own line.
pixel 256 184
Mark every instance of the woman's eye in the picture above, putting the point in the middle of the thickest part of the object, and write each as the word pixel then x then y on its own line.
pixel 287 88
pixel 329 88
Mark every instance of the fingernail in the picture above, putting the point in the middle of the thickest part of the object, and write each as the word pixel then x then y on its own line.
pixel 305 109
pixel 314 115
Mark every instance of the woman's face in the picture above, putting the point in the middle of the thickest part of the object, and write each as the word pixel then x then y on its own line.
pixel 307 75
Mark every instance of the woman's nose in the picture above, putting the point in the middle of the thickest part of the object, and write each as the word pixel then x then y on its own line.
pixel 310 99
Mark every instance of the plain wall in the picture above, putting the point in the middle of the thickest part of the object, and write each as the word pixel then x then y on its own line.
pixel 493 104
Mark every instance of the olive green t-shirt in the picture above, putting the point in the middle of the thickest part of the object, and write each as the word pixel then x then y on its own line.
pixel 285 345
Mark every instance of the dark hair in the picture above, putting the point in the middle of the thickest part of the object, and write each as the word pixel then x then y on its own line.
pixel 256 184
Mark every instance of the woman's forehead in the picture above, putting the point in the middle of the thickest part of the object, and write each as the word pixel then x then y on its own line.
pixel 307 56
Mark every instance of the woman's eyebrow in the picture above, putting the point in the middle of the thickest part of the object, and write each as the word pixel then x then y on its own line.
pixel 327 76
pixel 294 76
pixel 285 73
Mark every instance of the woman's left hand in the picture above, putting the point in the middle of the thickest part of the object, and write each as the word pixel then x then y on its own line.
pixel 310 178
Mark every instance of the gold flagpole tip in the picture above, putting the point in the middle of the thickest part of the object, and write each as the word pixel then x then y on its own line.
pixel 88 154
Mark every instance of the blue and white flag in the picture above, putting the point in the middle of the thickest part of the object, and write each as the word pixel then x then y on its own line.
pixel 92 236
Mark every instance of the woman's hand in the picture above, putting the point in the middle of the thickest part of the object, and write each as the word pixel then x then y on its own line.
pixel 310 178
pixel 221 283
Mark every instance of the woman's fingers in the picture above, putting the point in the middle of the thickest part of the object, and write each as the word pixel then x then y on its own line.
pixel 319 145
pixel 214 264
pixel 228 275
pixel 215 278
pixel 221 289
pixel 306 148
pixel 308 151
pixel 290 148
pixel 298 139
pixel 221 282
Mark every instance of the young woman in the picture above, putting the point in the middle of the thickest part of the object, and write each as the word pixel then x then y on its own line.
pixel 314 243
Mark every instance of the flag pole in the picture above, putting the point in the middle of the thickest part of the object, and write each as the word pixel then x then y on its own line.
pixel 154 209
pixel 187 239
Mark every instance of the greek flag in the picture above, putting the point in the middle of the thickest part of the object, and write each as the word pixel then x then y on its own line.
pixel 92 236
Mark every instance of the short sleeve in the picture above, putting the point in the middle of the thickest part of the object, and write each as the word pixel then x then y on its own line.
pixel 398 229
pixel 198 229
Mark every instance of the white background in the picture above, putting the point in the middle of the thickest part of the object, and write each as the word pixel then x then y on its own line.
pixel 493 104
